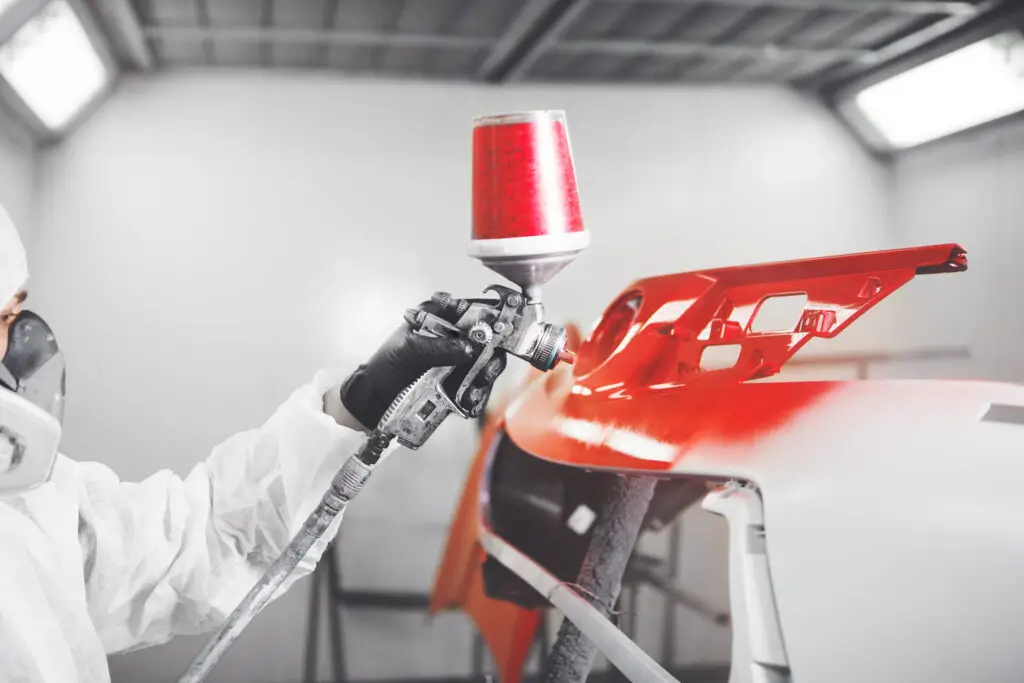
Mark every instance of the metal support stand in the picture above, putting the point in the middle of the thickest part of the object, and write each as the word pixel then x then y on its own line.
pixel 326 576
pixel 544 638
pixel 327 591
pixel 668 631
pixel 646 570
pixel 313 628
pixel 624 617
pixel 479 653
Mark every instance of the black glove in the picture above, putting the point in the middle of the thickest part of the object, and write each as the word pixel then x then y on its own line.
pixel 403 358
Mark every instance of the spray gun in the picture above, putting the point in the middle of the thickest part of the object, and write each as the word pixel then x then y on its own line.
pixel 512 323
pixel 526 227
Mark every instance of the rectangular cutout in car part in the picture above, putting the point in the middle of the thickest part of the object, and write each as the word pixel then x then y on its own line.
pixel 720 357
pixel 778 313
pixel 1007 414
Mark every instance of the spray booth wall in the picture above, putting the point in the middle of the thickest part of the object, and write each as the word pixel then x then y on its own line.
pixel 968 189
pixel 17 175
pixel 206 242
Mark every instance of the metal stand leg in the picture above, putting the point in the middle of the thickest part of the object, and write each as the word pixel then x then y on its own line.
pixel 478 654
pixel 630 612
pixel 545 637
pixel 600 577
pixel 337 638
pixel 623 618
pixel 668 631
pixel 313 634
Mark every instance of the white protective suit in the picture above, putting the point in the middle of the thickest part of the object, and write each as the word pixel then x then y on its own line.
pixel 91 565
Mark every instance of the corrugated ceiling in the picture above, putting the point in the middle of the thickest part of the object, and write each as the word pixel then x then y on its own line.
pixel 804 42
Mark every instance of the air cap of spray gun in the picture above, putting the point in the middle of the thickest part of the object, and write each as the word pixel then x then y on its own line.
pixel 527 224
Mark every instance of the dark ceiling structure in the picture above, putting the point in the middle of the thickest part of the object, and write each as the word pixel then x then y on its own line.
pixel 814 45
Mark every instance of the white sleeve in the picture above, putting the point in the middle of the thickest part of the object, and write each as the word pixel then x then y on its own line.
pixel 170 556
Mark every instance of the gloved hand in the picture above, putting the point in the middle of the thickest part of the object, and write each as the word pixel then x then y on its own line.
pixel 403 358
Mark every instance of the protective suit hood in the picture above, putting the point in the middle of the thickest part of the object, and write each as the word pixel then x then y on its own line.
pixel 31 380
pixel 13 262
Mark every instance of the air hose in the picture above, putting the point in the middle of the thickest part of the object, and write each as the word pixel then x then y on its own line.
pixel 347 483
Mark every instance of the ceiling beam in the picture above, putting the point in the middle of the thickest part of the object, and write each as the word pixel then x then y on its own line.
pixel 392 19
pixel 940 37
pixel 16 15
pixel 203 14
pixel 676 48
pixel 120 20
pixel 266 47
pixel 893 6
pixel 316 37
pixel 24 118
pixel 547 41
pixel 531 32
pixel 330 20
pixel 14 128
pixel 99 39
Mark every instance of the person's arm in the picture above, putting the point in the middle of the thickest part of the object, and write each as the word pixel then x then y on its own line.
pixel 169 556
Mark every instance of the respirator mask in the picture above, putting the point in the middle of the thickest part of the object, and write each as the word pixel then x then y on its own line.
pixel 31 404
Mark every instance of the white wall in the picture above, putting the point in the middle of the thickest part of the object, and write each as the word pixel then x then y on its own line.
pixel 968 189
pixel 206 242
pixel 17 178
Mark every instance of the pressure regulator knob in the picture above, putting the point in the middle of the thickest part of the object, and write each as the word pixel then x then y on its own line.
pixel 481 333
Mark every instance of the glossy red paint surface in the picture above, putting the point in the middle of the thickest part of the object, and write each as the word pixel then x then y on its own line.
pixel 638 395
pixel 524 181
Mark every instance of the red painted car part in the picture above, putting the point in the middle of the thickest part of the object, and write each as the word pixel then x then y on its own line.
pixel 638 398
pixel 668 322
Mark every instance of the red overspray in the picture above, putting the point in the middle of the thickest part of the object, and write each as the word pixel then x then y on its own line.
pixel 680 418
